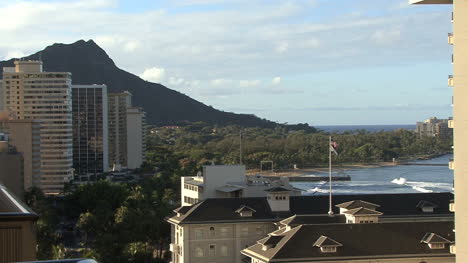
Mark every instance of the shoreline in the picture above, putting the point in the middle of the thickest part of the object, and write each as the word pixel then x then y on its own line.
pixel 339 167
pixel 319 169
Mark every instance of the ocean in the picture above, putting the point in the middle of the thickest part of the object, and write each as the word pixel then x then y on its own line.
pixel 390 179
pixel 370 128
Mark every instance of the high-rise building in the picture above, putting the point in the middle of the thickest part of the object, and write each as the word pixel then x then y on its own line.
pixel 24 136
pixel 29 93
pixel 434 127
pixel 90 141
pixel 126 132
pixel 459 82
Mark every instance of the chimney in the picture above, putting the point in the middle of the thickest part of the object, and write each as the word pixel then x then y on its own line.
pixel 278 199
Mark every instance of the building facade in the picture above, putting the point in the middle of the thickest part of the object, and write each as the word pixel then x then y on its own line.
pixel 434 127
pixel 24 136
pixel 17 229
pixel 29 93
pixel 90 131
pixel 11 163
pixel 217 229
pixel 126 132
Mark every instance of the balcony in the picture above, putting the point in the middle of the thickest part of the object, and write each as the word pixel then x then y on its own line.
pixel 450 80
pixel 452 249
pixel 450 38
pixel 452 206
pixel 451 123
pixel 451 165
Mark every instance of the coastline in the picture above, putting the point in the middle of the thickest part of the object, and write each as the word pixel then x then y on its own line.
pixel 338 167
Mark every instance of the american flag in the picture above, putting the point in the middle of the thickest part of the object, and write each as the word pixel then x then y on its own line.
pixel 333 147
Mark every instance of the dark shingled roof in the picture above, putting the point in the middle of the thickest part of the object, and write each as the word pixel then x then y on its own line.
pixel 356 204
pixel 431 238
pixel 296 220
pixel 224 209
pixel 370 241
pixel 270 240
pixel 424 203
pixel 182 210
pixel 245 208
pixel 362 211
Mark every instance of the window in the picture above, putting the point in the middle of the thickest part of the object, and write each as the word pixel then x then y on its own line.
pixel 224 251
pixel 328 249
pixel 198 233
pixel 244 231
pixel 259 230
pixel 437 245
pixel 212 251
pixel 224 231
pixel 199 252
pixel 212 232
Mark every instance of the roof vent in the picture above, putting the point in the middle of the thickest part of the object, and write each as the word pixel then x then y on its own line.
pixel 327 245
pixel 426 206
pixel 435 241
pixel 245 211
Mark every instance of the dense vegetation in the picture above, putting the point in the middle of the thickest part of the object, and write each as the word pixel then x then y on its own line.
pixel 125 222
pixel 201 143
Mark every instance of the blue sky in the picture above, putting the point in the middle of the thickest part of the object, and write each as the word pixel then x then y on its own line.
pixel 316 61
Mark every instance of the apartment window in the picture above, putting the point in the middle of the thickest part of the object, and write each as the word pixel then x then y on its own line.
pixel 212 251
pixel 224 251
pixel 328 249
pixel 224 231
pixel 244 231
pixel 199 252
pixel 199 233
pixel 212 232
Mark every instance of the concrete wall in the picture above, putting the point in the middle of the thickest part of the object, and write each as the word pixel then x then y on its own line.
pixel 460 116
pixel 135 137
pixel 11 172
pixel 215 176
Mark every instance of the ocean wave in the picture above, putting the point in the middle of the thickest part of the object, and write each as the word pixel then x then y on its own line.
pixel 422 189
pixel 400 181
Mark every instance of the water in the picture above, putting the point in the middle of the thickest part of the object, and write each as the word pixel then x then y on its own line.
pixel 369 128
pixel 391 179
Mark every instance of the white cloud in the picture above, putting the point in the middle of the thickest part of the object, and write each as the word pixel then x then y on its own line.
pixel 14 54
pixel 175 81
pixel 276 81
pixel 249 83
pixel 154 74
pixel 386 36
pixel 282 47
pixel 221 82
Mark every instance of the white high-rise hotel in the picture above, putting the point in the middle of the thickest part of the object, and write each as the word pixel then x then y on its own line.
pixel 30 93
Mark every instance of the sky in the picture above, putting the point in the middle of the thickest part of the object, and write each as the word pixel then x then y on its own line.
pixel 341 62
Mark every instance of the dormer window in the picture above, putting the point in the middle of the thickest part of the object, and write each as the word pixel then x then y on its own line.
pixel 327 245
pixel 245 211
pixel 426 206
pixel 435 241
pixel 269 242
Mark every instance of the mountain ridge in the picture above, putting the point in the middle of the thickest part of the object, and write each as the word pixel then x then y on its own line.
pixel 90 64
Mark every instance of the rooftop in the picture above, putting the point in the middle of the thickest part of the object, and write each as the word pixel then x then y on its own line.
pixel 376 240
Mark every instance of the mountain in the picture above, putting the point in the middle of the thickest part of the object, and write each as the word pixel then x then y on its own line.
pixel 89 64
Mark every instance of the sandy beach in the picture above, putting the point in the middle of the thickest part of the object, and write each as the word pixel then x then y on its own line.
pixel 305 171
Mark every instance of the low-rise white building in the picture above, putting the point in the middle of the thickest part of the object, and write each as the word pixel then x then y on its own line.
pixel 227 181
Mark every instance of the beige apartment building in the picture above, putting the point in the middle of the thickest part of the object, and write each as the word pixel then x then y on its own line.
pixel 126 132
pixel 29 93
pixel 218 229
pixel 459 81
pixel 434 127
pixel 24 136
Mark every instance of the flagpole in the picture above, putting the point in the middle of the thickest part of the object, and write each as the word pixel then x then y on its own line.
pixel 330 211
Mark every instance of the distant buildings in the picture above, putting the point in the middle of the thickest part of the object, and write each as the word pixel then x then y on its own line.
pixel 11 167
pixel 90 132
pixel 31 94
pixel 24 136
pixel 434 127
pixel 127 129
